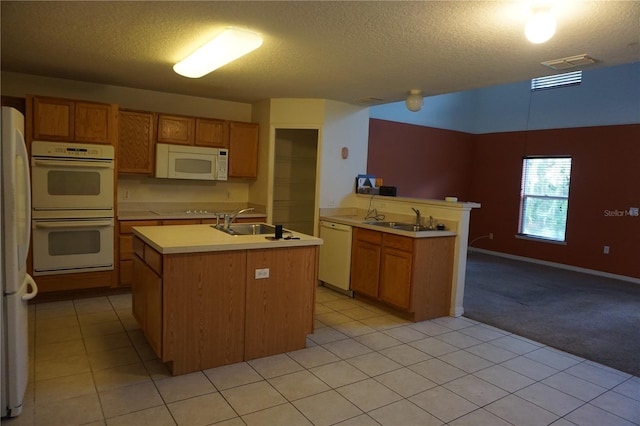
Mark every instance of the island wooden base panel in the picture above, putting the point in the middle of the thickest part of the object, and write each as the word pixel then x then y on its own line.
pixel 204 310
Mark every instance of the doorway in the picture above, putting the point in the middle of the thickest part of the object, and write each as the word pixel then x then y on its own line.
pixel 294 179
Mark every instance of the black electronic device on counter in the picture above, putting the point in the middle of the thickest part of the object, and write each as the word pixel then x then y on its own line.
pixel 389 191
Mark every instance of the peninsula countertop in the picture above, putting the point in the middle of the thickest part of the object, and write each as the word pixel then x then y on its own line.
pixel 205 238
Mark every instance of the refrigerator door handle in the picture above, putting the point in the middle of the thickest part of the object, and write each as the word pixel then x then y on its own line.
pixel 34 288
pixel 21 154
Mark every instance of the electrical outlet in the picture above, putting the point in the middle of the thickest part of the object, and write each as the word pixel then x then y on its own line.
pixel 262 273
pixel 126 194
pixel 332 203
pixel 491 235
pixel 606 250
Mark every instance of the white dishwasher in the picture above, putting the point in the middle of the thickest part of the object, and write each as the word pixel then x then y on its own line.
pixel 335 256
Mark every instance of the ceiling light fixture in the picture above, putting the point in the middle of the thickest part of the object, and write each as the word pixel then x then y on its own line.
pixel 541 26
pixel 228 46
pixel 414 100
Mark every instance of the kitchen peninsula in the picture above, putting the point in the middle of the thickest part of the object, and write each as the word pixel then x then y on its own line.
pixel 205 298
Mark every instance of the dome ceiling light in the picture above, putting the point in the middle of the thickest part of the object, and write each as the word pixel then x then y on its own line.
pixel 541 25
pixel 414 101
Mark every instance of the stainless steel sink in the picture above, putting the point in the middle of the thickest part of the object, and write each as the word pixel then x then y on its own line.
pixel 248 229
pixel 403 226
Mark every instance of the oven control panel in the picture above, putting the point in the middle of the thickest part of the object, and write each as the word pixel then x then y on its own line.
pixel 71 150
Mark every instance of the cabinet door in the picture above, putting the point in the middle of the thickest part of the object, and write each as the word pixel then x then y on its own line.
pixel 53 119
pixel 280 307
pixel 135 142
pixel 175 129
pixel 365 261
pixel 93 123
pixel 395 277
pixel 212 133
pixel 146 295
pixel 243 149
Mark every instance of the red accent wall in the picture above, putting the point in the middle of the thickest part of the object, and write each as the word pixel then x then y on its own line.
pixel 487 168
pixel 422 162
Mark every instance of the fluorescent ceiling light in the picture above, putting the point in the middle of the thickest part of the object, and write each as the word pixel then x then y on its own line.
pixel 228 46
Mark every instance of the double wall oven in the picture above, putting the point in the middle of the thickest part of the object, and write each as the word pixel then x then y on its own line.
pixel 72 207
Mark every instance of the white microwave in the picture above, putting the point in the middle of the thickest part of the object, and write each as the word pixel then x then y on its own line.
pixel 191 162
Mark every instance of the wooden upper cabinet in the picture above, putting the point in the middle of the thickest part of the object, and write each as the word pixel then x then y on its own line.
pixel 243 149
pixel 93 123
pixel 176 129
pixel 74 121
pixel 53 119
pixel 212 133
pixel 135 142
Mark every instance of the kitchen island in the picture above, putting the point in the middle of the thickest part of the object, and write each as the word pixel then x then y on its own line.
pixel 205 298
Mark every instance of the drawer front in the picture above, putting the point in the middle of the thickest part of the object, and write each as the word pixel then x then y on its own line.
pixel 180 221
pixel 362 234
pixel 397 242
pixel 153 259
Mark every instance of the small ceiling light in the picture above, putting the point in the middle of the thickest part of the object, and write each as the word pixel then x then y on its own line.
pixel 414 100
pixel 228 46
pixel 541 26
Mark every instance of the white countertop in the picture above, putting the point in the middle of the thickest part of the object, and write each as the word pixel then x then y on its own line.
pixel 204 238
pixel 360 222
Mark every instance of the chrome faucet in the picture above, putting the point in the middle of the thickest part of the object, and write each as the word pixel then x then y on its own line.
pixel 229 218
pixel 417 216
pixel 430 222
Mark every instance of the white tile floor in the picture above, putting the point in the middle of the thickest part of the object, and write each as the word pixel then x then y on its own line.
pixel 91 365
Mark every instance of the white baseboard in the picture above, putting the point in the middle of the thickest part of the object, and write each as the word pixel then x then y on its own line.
pixel 558 265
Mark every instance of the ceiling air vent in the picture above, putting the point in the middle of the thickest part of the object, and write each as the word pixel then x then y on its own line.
pixel 368 101
pixel 569 62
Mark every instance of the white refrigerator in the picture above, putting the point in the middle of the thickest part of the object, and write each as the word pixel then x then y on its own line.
pixel 17 286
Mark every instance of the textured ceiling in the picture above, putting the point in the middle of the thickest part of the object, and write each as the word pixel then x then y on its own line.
pixel 337 50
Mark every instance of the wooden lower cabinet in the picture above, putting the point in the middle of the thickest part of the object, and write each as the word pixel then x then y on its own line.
pixel 410 274
pixel 147 302
pixel 214 312
pixel 204 310
pixel 365 261
pixel 279 310
pixel 125 248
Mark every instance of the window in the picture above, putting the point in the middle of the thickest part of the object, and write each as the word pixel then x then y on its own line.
pixel 544 197
pixel 558 80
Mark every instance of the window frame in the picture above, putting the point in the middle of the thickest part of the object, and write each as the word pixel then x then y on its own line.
pixel 527 196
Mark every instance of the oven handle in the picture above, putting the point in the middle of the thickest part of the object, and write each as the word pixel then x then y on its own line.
pixel 74 163
pixel 79 224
